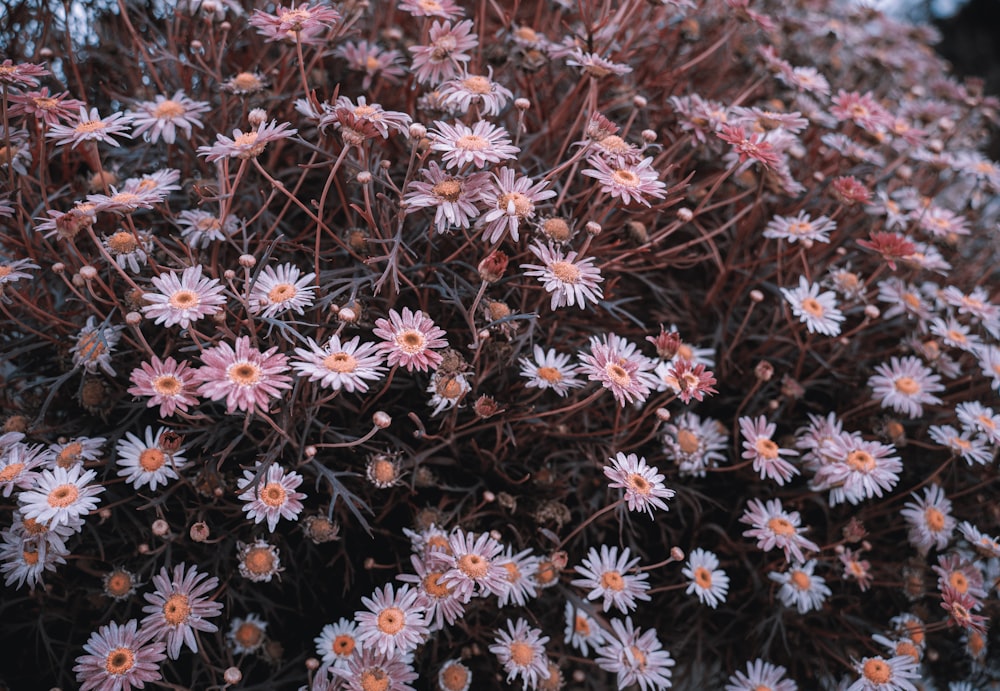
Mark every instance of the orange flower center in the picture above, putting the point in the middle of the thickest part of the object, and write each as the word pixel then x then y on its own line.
pixel 176 609
pixel 246 81
pixel 168 109
pixel 184 299
pixel 63 496
pixel 433 585
pixel 383 471
pixel 454 677
pixel 118 584
pixel 391 621
pixel 766 448
pixel 340 362
pixel 638 483
pixel 907 386
pixel 625 178
pixel 566 272
pixel 861 461
pixel 343 645
pixel 450 190
pixel 812 306
pixel 550 374
pixel 119 661
pixel 152 460
pixel 167 385
pixel 282 292
pixel 876 670
pixel 243 373
pixel 473 566
pixel 612 580
pixel 515 203
pixel 618 374
pixel 259 560
pixel 30 557
pixel 781 526
pixel 273 494
pixel 521 653
pixel 374 679
pixel 801 580
pixel 122 242
pixel 248 635
pixel 477 85
pixel 934 519
pixel 472 142
pixel 69 455
pixel 907 648
pixel 89 126
pixel 688 441
pixel 703 577
pixel 958 581
pixel 581 625
pixel 411 342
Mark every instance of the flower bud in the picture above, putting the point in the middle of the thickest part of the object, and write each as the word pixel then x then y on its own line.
pixel 381 419
pixel 257 117
pixel 232 675
pixel 199 531
pixel 248 261
pixel 493 266
pixel 160 527
pixel 522 103
pixel 685 214
pixel 88 273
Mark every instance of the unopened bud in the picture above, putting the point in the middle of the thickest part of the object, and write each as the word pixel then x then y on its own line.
pixel 639 101
pixel 196 46
pixel 104 514
pixel 417 131
pixel 872 312
pixel 663 415
pixel 593 228
pixel 346 314
pixel 232 675
pixel 199 531
pixel 225 26
pixel 142 548
pixel 493 266
pixel 257 117
pixel 522 103
pixel 677 554
pixel 88 273
pixel 58 267
pixel 133 319
pixel 364 177
pixel 489 497
pixel 309 451
pixel 248 261
pixel 649 136
pixel 757 296
pixel 381 419
pixel 160 527
pixel 485 407
pixel 229 274
pixel 764 370
pixel 312 664
pixel 685 214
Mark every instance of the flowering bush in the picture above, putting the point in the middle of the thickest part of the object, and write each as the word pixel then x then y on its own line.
pixel 415 345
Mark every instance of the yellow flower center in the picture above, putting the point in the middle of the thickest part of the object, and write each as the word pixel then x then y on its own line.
pixel 550 374
pixel 282 292
pixel 176 609
pixel 612 580
pixel 88 126
pixel 450 190
pixel 521 654
pixel 340 362
pixel 184 299
pixel 168 109
pixel 122 242
pixel 477 85
pixel 63 496
pixel 566 272
pixel 411 342
pixel 119 661
pixel 167 385
pixel 861 461
pixel 473 566
pixel 766 448
pixel 243 373
pixel 273 494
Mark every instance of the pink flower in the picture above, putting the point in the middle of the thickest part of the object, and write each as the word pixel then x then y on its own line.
pixel 282 289
pixel 246 377
pixel 183 300
pixel 410 339
pixel 272 497
pixel 690 380
pixel 749 146
pixel 512 200
pixel 775 527
pixel 454 197
pixel 483 143
pixel 636 656
pixel 612 577
pixel 448 46
pixel 91 127
pixel 340 365
pixel 464 90
pixel 614 362
pixel 627 181
pixel 119 657
pixel 246 145
pixel 303 23
pixel 394 622
pixel 169 384
pixel 446 9
pixel 643 484
pixel 163 116
pixel 179 607
pixel 521 651
pixel 766 455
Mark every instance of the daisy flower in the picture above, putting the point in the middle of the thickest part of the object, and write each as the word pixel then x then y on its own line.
pixel 511 201
pixel 17 466
pixel 94 345
pixel 984 544
pixel 163 116
pixel 775 527
pixel 904 385
pixel 61 496
pixel 199 229
pixel 454 197
pixel 365 120
pixel 609 575
pixel 521 650
pixel 582 631
pixel 148 462
pixel 750 145
pixel 977 418
pixel 185 299
pixel 168 384
pixel 272 497
pixel 483 143
pixel 929 519
pixel 447 390
pixel 550 370
pixel 766 455
pixel 247 634
pixel 627 181
pixel 880 674
pixel 708 581
pixel 956 572
pixel 120 584
pixel 338 365
pixel 258 561
pixel 410 340
pixel 962 444
pixel 854 469
pixel 370 669
pixel 21 74
pixel 440 601
pixel 454 676
pixel 571 282
pixel 614 362
pixel 800 227
pixel 119 657
pixel 178 608
pixel 246 145
pixel 643 484
pixel 465 89
pixel 446 49
pixel 25 558
pixel 818 311
pixel 694 444
pixel 246 377
pixel 759 676
pixel 129 251
pixel 800 587
pixel 521 569
pixel 447 9
pixel 372 60
pixel 304 23
pixel 280 290
pixel 394 623
pixel 686 379
pixel 90 126
pixel 13 271
pixel 636 656
pixel 474 565
pixel 337 643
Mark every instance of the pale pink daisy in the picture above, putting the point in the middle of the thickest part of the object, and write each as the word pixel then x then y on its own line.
pixel 246 145
pixel 394 623
pixel 281 289
pixel 77 450
pixel 694 444
pixel 750 145
pixel 247 634
pixel 989 363
pixel 818 311
pixel 270 496
pixel 707 580
pixel 179 607
pixel 904 385
pixel 410 340
pixel 148 461
pixel 761 676
pixel 974 450
pixel 168 384
pixel 636 656
pixel 246 377
pixel 687 379
pixel 800 227
pixel 184 300
pixel 338 642
pixel 446 9
pixel 61 496
pixel 985 545
pixel 615 363
pixel 862 109
pixel 94 345
pixel 370 669
pixel 446 49
pixel 304 23
pixel 340 365
pixel 364 118
pixel 18 463
pixel 465 89
pixel 759 446
pixel 90 126
pixel 521 569
pixel 956 571
pixel 483 143
pixel 129 250
pixel 442 604
pixel 929 519
pixel 44 106
pixel 643 484
pixel 612 577
pixel 550 370
pixel 627 181
pixel 200 229
pixel 163 116
pixel 118 658
pixel 880 674
pixel 20 74
pixel 24 561
pixel 570 282
pixel 800 587
pixel 855 469
pixel 582 631
pixel 521 650
pixel 474 566
pixel 12 271
pixel 373 61
pixel 772 527
pixel 259 561
pixel 511 201
pixel 454 197
pixel 453 675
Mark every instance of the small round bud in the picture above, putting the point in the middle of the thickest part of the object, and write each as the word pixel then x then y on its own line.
pixel 248 261
pixel 579 676
pixel 757 296
pixel 199 531
pixel 807 243
pixel 142 548
pixel 232 675
pixel 196 46
pixel 393 33
pixel 484 335
pixel 312 664
pixel 104 514
pixel 556 229
pixel 872 312
pixel 648 136
pixel 772 405
pixel 946 124
pixel 593 228
pixel 637 232
pixel 493 266
pixel 818 176
pixel 489 497
pixel 685 214
pixel 229 274
pixel 936 145
pixel 218 492
pixel 58 267
pixel 309 451
pixel 369 564
pixel 45 53
pixel 88 272
pixel 225 26
pixel 522 103
pixel 417 131
pixel 346 314
pixel 364 177
pixel 133 319
pixel 764 370
pixel 663 415
pixel 385 165
pixel 381 419
pixel 677 554
pixel 160 527
pixel 257 117
pixel 904 172
pixel 495 534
